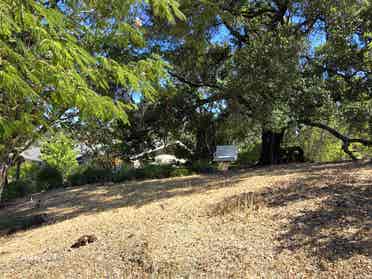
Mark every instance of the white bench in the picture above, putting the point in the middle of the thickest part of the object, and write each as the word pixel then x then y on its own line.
pixel 226 153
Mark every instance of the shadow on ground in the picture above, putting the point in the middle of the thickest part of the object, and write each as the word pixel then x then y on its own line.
pixel 63 204
pixel 339 226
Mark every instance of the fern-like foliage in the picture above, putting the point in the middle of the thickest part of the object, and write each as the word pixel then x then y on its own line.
pixel 47 72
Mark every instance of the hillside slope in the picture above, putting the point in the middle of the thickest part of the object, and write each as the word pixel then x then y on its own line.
pixel 298 221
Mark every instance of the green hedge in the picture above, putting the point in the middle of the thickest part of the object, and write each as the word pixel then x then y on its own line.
pixel 18 189
pixel 88 175
pixel 249 155
pixel 49 178
pixel 126 173
pixel 147 172
pixel 180 172
pixel 204 167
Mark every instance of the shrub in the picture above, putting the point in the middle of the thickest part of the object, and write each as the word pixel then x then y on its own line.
pixel 18 189
pixel 76 179
pixel 28 171
pixel 156 171
pixel 147 172
pixel 250 155
pixel 180 172
pixel 49 178
pixel 88 175
pixel 95 175
pixel 124 174
pixel 203 167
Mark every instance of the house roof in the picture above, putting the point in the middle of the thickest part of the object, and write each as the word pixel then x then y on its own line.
pixel 32 154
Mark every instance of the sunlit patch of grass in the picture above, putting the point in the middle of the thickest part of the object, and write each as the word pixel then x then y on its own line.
pixel 246 202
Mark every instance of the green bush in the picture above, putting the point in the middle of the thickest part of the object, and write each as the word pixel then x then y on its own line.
pixel 18 189
pixel 147 172
pixel 28 171
pixel 96 175
pixel 89 175
pixel 180 172
pixel 203 167
pixel 49 178
pixel 250 155
pixel 76 179
pixel 124 174
pixel 156 171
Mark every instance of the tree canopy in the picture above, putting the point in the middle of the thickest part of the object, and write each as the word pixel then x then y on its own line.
pixel 203 72
pixel 282 64
pixel 53 67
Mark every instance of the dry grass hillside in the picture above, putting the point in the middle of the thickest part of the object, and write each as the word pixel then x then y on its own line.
pixel 298 221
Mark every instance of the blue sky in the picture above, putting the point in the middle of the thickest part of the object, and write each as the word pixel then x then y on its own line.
pixel 316 38
pixel 223 35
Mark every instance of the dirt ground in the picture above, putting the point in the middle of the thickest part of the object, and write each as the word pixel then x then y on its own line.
pixel 296 221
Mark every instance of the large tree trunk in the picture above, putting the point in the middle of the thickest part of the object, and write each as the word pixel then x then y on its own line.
pixel 3 177
pixel 271 147
pixel 205 139
pixel 204 145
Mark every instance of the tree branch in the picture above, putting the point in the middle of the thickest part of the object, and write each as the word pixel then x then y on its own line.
pixel 194 83
pixel 251 13
pixel 345 140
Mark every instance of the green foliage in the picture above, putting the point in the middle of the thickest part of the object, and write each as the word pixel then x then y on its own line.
pixel 28 171
pixel 44 71
pixel 59 152
pixel 49 178
pixel 249 155
pixel 97 175
pixel 18 189
pixel 180 172
pixel 117 9
pixel 156 171
pixel 272 69
pixel 124 174
pixel 203 166
pixel 88 175
pixel 362 152
pixel 77 178
pixel 54 65
pixel 318 145
pixel 149 172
